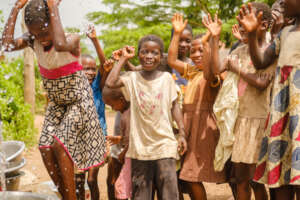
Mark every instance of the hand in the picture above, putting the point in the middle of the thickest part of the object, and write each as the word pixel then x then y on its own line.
pixel 182 144
pixel 21 3
pixel 108 65
pixel 116 55
pixel 121 156
pixel 248 19
pixel 178 24
pixel 278 22
pixel 112 140
pixel 236 32
pixel 128 52
pixel 91 32
pixel 214 27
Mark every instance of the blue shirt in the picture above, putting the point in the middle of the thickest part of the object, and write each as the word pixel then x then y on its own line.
pixel 100 106
pixel 180 80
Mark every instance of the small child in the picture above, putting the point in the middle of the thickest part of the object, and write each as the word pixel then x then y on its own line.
pixel 153 97
pixel 253 88
pixel 278 164
pixel 201 131
pixel 97 80
pixel 71 135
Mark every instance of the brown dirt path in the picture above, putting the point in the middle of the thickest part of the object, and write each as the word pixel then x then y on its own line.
pixel 36 172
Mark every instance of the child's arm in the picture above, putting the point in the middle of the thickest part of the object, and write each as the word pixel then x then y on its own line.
pixel 260 81
pixel 215 28
pixel 131 67
pixel 178 26
pixel 113 79
pixel 8 41
pixel 260 58
pixel 177 116
pixel 61 42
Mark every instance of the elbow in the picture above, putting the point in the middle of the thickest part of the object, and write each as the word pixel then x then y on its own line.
pixel 59 46
pixel 171 61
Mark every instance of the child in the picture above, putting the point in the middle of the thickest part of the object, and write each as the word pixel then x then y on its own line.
pixel 278 165
pixel 253 97
pixel 71 135
pixel 152 144
pixel 97 81
pixel 201 131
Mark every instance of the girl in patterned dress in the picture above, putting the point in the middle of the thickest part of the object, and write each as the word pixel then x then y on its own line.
pixel 71 136
pixel 279 163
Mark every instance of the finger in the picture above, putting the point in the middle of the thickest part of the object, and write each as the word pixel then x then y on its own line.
pixel 238 18
pixel 209 18
pixel 205 21
pixel 259 17
pixel 243 11
pixel 241 14
pixel 250 8
pixel 219 22
pixel 216 17
pixel 185 23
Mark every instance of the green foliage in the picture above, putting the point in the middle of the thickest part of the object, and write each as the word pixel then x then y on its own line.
pixel 129 20
pixel 18 121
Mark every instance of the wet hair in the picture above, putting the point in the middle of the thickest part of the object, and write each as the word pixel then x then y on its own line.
pixel 87 56
pixel 37 12
pixel 188 27
pixel 152 38
pixel 265 9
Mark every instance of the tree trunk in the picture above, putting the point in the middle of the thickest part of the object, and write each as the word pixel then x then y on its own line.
pixel 29 77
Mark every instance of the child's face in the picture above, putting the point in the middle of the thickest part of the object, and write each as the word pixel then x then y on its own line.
pixel 244 34
pixel 41 33
pixel 150 56
pixel 89 68
pixel 196 53
pixel 185 43
pixel 291 7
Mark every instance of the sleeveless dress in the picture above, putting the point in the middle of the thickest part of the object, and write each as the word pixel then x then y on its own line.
pixel 279 158
pixel 71 117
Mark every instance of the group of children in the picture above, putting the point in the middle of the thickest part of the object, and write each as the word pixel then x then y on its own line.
pixel 237 122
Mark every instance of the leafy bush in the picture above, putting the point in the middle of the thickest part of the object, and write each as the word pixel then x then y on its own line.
pixel 18 121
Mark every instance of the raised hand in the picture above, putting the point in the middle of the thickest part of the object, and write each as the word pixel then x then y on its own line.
pixel 21 3
pixel 213 26
pixel 108 65
pixel 116 55
pixel 248 19
pixel 91 32
pixel 236 32
pixel 178 23
pixel 182 144
pixel 128 52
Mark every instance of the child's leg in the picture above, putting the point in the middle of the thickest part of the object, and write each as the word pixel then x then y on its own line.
pixel 51 165
pixel 297 191
pixel 284 193
pixel 113 171
pixel 260 191
pixel 243 174
pixel 197 191
pixel 142 175
pixel 166 179
pixel 93 183
pixel 80 190
pixel 66 167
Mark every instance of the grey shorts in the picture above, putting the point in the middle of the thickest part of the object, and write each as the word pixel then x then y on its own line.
pixel 158 173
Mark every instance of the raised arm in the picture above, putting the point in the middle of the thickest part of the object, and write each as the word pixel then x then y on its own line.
pixel 8 41
pixel 260 81
pixel 261 58
pixel 178 26
pixel 93 36
pixel 215 28
pixel 177 116
pixel 113 79
pixel 61 42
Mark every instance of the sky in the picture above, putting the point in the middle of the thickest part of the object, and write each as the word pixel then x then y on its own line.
pixel 72 12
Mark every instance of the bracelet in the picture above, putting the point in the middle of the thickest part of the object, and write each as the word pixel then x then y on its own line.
pixel 212 84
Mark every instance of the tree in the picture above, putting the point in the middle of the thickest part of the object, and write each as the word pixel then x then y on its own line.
pixel 129 20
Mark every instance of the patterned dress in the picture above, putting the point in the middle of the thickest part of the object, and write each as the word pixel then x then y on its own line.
pixel 279 159
pixel 71 117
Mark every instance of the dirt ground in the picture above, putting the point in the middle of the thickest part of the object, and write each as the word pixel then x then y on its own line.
pixel 36 174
